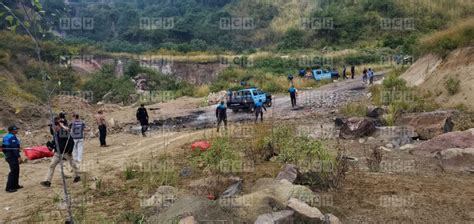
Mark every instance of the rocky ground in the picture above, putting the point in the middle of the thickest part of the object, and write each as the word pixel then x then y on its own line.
pixel 406 187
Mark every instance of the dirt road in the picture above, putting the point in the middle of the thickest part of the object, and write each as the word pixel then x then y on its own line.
pixel 39 203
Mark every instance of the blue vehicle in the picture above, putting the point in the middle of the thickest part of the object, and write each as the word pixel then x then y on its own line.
pixel 322 74
pixel 245 99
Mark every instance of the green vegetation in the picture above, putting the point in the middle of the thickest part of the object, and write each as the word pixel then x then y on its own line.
pixel 357 109
pixel 398 97
pixel 193 26
pixel 443 42
pixel 453 85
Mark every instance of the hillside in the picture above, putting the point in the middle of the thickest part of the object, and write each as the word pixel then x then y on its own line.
pixel 445 69
pixel 271 25
pixel 431 73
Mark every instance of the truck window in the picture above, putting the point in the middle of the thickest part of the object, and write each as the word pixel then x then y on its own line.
pixel 259 92
pixel 254 92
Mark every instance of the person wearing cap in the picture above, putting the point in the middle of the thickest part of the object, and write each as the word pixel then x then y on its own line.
pixel 62 151
pixel 292 90
pixel 11 150
pixel 221 115
pixel 142 117
pixel 62 115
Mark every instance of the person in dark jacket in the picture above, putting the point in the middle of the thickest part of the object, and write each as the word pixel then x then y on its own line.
pixel 344 76
pixel 258 110
pixel 292 90
pixel 142 117
pixel 63 150
pixel 221 115
pixel 353 71
pixel 62 116
pixel 11 150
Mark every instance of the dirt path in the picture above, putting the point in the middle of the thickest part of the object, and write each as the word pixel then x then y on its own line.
pixel 98 163
pixel 102 162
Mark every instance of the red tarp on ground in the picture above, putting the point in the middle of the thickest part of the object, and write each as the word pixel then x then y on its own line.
pixel 37 152
pixel 203 145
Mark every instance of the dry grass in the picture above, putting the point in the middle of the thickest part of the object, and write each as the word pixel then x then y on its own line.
pixel 441 42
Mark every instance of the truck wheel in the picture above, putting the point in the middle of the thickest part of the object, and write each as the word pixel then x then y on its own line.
pixel 269 104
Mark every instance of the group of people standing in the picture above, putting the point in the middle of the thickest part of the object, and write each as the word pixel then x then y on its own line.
pixel 67 144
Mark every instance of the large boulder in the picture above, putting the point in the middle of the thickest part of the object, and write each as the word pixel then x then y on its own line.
pixel 428 124
pixel 396 135
pixel 457 139
pixel 332 219
pixel 304 212
pixel 356 127
pixel 375 112
pixel 457 160
pixel 289 172
pixel 267 196
pixel 281 217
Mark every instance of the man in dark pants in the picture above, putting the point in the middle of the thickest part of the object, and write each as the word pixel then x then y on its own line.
pixel 11 150
pixel 292 91
pixel 258 110
pixel 221 115
pixel 344 76
pixel 102 124
pixel 142 117
pixel 353 71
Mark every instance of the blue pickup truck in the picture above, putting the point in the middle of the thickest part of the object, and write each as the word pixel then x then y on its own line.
pixel 321 74
pixel 245 99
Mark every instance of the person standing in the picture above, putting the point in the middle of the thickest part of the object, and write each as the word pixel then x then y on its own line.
pixel 344 77
pixel 371 75
pixel 62 151
pixel 11 150
pixel 77 127
pixel 290 78
pixel 352 71
pixel 292 90
pixel 62 116
pixel 258 110
pixel 364 75
pixel 102 124
pixel 221 115
pixel 142 117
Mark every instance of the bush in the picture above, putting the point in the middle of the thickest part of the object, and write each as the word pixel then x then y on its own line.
pixel 452 85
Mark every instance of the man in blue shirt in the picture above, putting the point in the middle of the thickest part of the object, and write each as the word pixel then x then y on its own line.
pixel 258 110
pixel 292 91
pixel 371 75
pixel 11 150
pixel 221 115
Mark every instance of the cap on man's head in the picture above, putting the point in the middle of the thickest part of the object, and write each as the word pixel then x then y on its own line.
pixel 13 128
